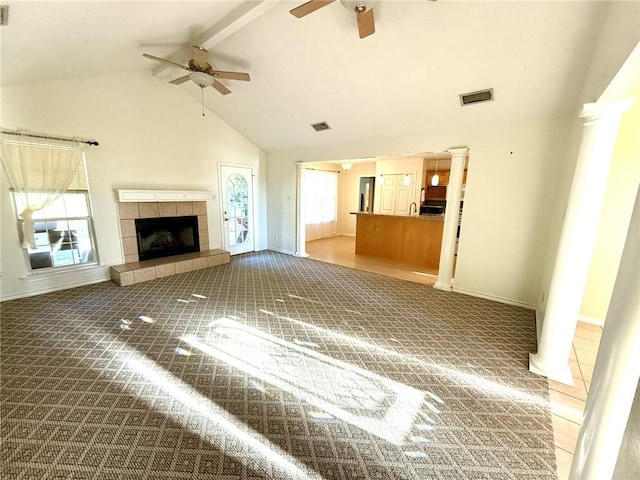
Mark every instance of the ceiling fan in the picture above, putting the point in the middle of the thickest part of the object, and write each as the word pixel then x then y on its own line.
pixel 363 10
pixel 201 72
pixel 364 13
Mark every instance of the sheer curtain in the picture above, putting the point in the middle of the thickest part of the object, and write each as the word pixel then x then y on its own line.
pixel 39 173
pixel 321 200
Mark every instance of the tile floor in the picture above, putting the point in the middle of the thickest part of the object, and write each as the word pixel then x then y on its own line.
pixel 567 402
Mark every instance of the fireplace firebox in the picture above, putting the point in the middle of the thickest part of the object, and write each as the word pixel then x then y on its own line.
pixel 167 236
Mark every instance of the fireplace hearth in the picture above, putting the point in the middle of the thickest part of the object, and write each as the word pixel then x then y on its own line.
pixel 166 236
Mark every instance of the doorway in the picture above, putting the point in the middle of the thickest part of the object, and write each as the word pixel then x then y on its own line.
pixel 360 190
pixel 236 185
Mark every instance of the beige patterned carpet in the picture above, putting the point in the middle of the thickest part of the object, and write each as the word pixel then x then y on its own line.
pixel 270 367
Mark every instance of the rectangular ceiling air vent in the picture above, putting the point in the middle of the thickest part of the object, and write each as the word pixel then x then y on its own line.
pixel 318 127
pixel 4 14
pixel 476 97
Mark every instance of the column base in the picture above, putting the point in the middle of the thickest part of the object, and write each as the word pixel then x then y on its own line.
pixel 443 286
pixel 561 373
pixel 301 254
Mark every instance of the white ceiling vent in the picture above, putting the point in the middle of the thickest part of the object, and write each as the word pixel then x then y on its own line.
pixel 4 14
pixel 318 127
pixel 476 97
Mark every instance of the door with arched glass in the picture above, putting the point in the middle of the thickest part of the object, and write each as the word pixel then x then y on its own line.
pixel 237 208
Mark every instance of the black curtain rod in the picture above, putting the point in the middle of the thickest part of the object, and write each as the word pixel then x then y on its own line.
pixel 48 137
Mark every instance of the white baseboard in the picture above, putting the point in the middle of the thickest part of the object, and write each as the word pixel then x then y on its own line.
pixel 282 250
pixel 538 326
pixel 591 320
pixel 561 373
pixel 495 298
pixel 57 288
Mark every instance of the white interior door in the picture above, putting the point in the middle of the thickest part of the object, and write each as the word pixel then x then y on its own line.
pixel 405 190
pixel 388 195
pixel 397 193
pixel 236 183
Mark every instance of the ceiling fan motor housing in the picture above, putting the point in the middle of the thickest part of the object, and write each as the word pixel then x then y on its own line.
pixel 358 6
pixel 200 68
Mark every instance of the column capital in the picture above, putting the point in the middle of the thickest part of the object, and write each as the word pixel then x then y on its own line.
pixel 458 152
pixel 592 112
pixel 300 164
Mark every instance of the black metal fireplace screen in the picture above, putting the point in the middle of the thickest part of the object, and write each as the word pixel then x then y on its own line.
pixel 167 236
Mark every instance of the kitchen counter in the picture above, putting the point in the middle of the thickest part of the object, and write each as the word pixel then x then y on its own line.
pixel 418 217
pixel 416 239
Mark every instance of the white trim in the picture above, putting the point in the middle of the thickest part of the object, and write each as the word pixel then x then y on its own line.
pixel 60 272
pixel 224 233
pixel 282 250
pixel 561 373
pixel 103 278
pixel 538 326
pixel 445 287
pixel 495 298
pixel 592 320
pixel 126 195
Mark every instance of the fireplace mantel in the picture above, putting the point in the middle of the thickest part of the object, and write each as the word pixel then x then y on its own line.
pixel 162 195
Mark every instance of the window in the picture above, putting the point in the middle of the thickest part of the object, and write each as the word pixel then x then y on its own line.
pixel 321 200
pixel 63 231
pixel 238 210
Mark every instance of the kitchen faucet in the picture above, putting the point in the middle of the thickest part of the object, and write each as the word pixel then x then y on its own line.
pixel 413 204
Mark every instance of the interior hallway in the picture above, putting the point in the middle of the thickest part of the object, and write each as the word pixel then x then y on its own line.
pixel 567 402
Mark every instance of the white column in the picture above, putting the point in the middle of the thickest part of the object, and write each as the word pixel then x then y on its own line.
pixel 617 369
pixel 577 240
pixel 451 217
pixel 301 239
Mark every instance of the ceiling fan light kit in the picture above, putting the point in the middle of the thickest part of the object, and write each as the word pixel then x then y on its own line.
pixel 201 79
pixel 201 72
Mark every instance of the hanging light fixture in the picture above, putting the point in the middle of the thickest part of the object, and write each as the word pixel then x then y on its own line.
pixel 435 180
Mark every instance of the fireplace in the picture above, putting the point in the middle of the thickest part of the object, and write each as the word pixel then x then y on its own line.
pixel 166 236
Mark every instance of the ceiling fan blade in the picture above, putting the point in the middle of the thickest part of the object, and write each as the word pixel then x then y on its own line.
pixel 309 7
pixel 231 75
pixel 146 55
pixel 180 80
pixel 221 88
pixel 200 56
pixel 366 23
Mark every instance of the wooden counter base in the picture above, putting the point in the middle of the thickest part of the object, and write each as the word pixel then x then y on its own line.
pixel 415 240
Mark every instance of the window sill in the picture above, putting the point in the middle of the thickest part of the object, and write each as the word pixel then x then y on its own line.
pixel 61 273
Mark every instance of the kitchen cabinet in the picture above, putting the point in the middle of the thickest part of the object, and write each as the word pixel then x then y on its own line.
pixel 413 240
pixel 443 174
pixel 437 193
pixel 444 177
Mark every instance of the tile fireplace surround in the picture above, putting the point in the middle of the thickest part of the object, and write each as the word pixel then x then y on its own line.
pixel 134 271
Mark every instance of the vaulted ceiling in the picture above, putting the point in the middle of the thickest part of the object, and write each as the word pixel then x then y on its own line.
pixel 405 78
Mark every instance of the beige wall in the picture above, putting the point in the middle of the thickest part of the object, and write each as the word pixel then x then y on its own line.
pixel 151 134
pixel 622 186
pixel 511 190
pixel 349 200
pixel 619 36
